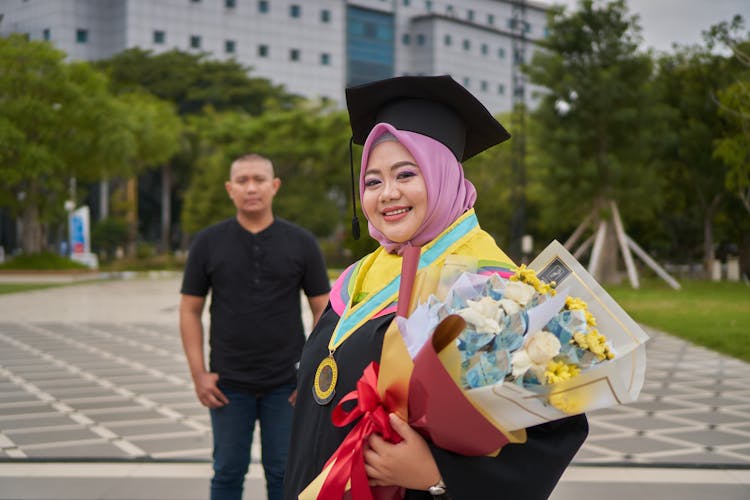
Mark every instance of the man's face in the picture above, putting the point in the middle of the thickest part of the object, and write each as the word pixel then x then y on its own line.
pixel 252 186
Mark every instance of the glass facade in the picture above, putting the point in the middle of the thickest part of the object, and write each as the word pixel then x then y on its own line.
pixel 369 45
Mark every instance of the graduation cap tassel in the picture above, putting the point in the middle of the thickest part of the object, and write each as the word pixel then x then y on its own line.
pixel 355 220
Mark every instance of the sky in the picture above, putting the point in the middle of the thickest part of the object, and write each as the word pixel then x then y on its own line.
pixel 680 21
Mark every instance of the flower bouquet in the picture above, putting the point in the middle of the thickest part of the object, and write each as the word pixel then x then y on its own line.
pixel 480 358
pixel 543 344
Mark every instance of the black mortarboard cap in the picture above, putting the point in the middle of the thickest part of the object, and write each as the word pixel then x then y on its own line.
pixel 435 106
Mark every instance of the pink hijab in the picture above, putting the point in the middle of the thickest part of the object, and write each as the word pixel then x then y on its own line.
pixel 449 194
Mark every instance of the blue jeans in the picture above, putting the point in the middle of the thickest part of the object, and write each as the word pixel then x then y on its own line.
pixel 233 426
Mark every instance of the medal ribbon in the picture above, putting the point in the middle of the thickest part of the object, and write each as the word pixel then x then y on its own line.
pixel 356 316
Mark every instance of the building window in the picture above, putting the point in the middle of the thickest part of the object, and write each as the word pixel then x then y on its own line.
pixel 325 59
pixel 467 44
pixel 230 4
pixel 501 53
pixel 483 85
pixel 370 45
pixel 230 46
pixel 447 40
pixel 262 50
pixel 470 15
pixel 466 82
pixel 195 1
pixel 294 54
pixel 46 34
pixel 420 39
pixel 195 42
pixel 485 49
pixel 501 89
pixel 263 6
pixel 405 3
pixel 325 15
pixel 295 11
pixel 82 36
pixel 406 38
pixel 449 10
pixel 491 19
pixel 428 5
pixel 159 37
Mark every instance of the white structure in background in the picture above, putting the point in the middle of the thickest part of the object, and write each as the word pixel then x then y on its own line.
pixel 79 225
pixel 314 48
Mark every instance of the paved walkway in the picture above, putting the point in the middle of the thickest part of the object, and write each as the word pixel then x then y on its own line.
pixel 96 402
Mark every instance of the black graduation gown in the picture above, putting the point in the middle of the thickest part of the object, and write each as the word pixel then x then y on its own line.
pixel 526 471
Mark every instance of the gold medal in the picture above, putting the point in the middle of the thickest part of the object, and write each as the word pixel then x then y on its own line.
pixel 326 375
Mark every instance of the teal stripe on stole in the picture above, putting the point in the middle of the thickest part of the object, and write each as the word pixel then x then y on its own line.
pixel 428 257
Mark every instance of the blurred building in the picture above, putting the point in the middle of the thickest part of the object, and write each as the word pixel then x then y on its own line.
pixel 312 47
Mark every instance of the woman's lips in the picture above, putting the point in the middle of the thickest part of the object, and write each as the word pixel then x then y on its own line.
pixel 396 213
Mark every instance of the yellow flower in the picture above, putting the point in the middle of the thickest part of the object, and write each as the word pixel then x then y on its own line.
pixel 575 304
pixel 528 276
pixel 595 342
pixel 570 402
pixel 557 371
pixel 578 304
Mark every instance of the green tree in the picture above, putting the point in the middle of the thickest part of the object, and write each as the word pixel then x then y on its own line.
pixel 193 83
pixel 57 122
pixel 490 172
pixel 689 81
pixel 598 119
pixel 734 149
pixel 734 107
pixel 157 131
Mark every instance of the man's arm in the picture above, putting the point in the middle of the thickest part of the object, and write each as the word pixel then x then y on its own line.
pixel 191 331
pixel 317 306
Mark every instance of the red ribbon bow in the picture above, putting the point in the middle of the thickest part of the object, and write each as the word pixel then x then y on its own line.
pixel 349 456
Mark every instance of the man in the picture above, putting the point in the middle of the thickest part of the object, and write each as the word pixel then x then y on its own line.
pixel 255 265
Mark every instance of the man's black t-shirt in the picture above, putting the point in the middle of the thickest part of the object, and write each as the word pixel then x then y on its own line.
pixel 256 334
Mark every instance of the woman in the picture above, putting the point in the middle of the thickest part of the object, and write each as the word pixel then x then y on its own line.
pixel 413 193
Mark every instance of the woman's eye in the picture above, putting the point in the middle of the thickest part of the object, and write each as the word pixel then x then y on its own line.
pixel 405 175
pixel 371 182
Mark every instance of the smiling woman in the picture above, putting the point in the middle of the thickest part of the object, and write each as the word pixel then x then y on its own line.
pixel 416 131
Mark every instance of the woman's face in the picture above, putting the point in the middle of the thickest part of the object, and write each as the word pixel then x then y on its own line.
pixel 395 195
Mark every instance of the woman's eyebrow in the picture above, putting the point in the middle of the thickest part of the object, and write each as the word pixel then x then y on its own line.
pixel 402 164
pixel 396 165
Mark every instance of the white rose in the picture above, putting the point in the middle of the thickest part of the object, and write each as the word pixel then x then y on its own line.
pixel 483 314
pixel 542 347
pixel 509 306
pixel 521 363
pixel 518 292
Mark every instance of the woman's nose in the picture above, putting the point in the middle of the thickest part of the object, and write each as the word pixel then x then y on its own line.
pixel 390 192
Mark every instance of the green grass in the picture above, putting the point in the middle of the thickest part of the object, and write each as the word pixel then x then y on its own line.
pixel 45 261
pixel 25 287
pixel 715 315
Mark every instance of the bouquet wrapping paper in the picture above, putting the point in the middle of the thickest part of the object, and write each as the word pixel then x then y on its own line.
pixel 609 383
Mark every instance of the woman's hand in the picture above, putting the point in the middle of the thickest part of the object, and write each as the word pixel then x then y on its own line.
pixel 408 464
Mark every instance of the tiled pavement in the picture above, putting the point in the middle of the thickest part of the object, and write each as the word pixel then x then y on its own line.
pixel 96 373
